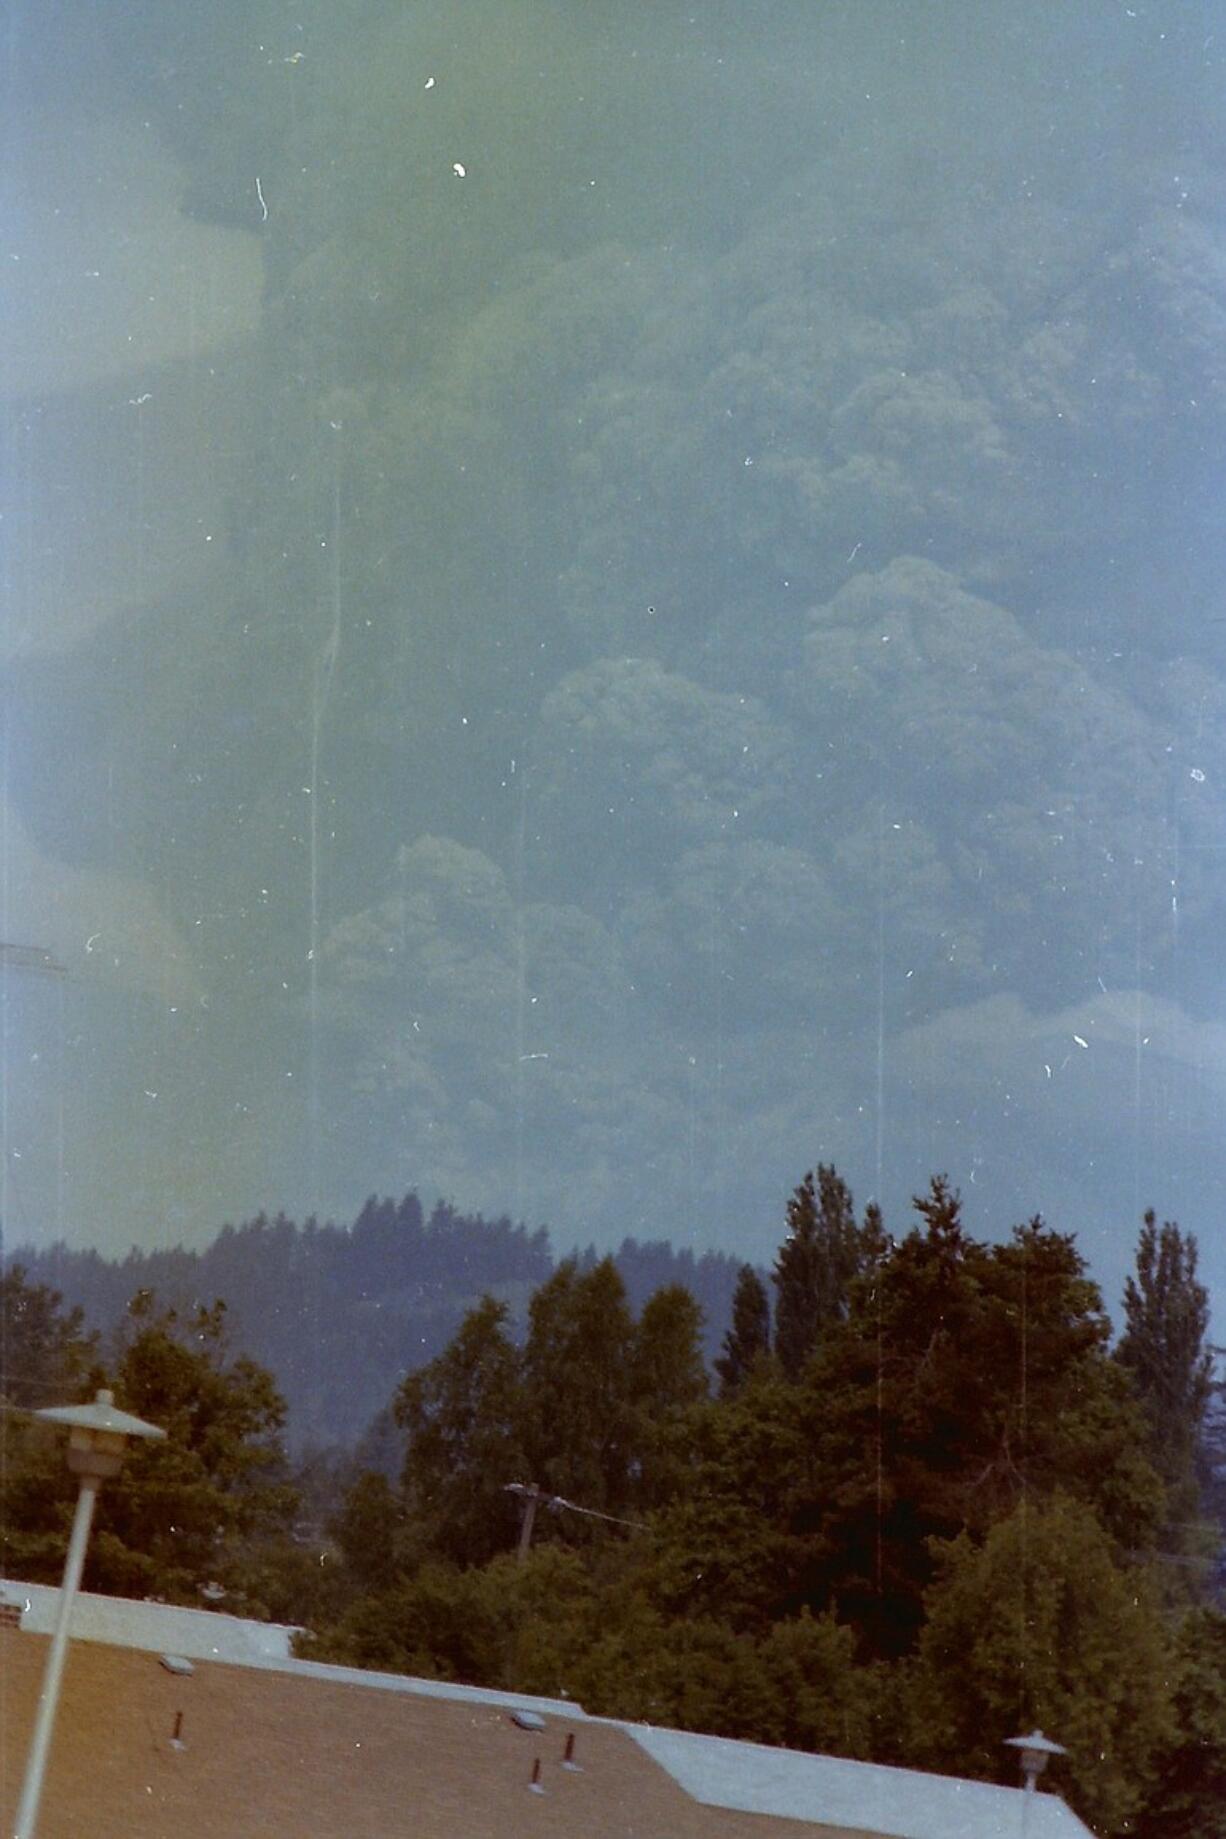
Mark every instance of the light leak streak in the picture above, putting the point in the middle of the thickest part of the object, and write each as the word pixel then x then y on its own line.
pixel 324 675
pixel 880 1145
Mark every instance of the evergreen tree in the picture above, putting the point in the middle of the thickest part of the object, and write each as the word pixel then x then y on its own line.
pixel 963 1376
pixel 668 1372
pixel 747 1341
pixel 823 1252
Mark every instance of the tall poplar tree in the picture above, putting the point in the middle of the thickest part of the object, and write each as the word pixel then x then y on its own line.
pixel 1166 1311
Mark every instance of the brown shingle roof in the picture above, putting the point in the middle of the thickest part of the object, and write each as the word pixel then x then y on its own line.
pixel 282 1755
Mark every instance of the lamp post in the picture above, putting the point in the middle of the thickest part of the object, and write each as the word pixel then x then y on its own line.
pixel 97 1438
pixel 1036 1752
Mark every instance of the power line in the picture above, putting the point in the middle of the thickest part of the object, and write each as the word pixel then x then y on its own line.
pixel 532 1497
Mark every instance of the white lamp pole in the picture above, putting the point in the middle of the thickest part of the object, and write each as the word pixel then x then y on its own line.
pixel 97 1438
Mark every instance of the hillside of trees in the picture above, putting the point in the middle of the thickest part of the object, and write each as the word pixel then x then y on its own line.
pixel 923 1499
pixel 341 1313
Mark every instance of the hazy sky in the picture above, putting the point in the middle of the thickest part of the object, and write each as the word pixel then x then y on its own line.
pixel 603 602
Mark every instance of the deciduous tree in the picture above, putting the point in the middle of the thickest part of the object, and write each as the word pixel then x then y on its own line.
pixel 201 1506
pixel 1041 1625
pixel 1166 1311
pixel 463 1418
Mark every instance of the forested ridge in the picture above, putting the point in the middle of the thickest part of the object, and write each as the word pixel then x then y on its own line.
pixel 340 1312
pixel 923 1498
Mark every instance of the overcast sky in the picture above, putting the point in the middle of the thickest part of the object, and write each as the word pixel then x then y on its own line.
pixel 601 603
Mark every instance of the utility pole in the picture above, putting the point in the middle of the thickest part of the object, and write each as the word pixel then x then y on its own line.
pixel 530 1497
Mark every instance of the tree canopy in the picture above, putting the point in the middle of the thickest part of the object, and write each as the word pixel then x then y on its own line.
pixel 936 1522
pixel 948 1514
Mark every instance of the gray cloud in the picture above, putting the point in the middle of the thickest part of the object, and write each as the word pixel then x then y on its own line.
pixel 735 578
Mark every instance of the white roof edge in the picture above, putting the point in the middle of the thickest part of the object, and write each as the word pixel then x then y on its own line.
pixel 835 1791
pixel 209 1634
pixel 116 1621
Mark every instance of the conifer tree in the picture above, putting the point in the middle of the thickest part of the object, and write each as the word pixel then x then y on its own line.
pixel 748 1338
pixel 822 1253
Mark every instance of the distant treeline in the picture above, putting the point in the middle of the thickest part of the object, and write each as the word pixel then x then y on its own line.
pixel 341 1313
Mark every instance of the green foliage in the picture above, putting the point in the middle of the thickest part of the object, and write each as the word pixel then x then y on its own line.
pixel 591 1410
pixel 1188 1799
pixel 728 1545
pixel 822 1700
pixel 940 1528
pixel 367 1529
pixel 668 1374
pixel 560 1626
pixel 45 1359
pixel 1163 1348
pixel 667 1380
pixel 213 1503
pixel 747 1341
pixel 1041 1625
pixel 963 1375
pixel 823 1253
pixel 204 1504
pixel 45 1353
pixel 578 1377
pixel 463 1417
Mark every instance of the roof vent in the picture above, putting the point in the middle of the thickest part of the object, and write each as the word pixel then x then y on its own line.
pixel 528 1720
pixel 175 1663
